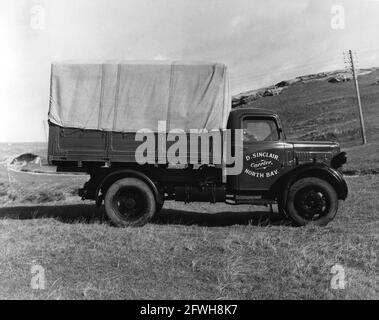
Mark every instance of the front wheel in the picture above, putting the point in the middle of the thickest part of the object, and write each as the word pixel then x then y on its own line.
pixel 129 202
pixel 312 200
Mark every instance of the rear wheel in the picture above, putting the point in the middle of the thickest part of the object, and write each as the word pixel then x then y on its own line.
pixel 312 200
pixel 129 202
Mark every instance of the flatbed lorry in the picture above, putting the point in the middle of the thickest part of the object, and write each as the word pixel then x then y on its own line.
pixel 150 132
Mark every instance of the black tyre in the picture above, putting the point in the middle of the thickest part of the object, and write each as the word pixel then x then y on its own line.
pixel 312 200
pixel 129 202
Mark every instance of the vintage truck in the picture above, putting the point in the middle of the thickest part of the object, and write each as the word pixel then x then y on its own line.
pixel 125 124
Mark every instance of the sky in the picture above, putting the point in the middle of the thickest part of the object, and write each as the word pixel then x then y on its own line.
pixel 262 42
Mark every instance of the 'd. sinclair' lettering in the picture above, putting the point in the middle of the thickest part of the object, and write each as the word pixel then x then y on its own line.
pixel 263 155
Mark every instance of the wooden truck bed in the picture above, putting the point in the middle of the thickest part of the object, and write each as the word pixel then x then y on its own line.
pixel 83 145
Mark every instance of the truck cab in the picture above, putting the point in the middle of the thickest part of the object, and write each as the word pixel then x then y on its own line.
pixel 302 177
pixel 266 155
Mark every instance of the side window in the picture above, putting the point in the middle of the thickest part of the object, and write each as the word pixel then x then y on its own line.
pixel 258 130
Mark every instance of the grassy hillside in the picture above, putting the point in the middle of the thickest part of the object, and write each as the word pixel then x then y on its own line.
pixel 319 110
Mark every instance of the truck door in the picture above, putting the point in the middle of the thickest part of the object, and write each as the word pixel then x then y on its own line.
pixel 263 152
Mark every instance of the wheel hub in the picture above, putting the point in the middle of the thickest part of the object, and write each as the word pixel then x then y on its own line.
pixel 311 203
pixel 314 200
pixel 129 203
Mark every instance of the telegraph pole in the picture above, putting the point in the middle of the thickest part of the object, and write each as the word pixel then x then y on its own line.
pixel 355 78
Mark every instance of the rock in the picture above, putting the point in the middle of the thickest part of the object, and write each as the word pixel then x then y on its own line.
pixel 340 78
pixel 334 80
pixel 239 101
pixel 274 91
pixel 282 84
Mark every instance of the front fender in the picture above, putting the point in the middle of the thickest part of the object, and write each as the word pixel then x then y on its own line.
pixel 318 170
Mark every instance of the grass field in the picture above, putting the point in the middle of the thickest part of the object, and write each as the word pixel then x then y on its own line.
pixel 191 252
pixel 201 251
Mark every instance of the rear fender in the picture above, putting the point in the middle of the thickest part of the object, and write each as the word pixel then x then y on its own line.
pixel 112 177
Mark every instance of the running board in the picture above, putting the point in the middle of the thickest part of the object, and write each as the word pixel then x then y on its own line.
pixel 257 200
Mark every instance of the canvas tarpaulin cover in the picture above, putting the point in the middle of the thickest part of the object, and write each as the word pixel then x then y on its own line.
pixel 129 96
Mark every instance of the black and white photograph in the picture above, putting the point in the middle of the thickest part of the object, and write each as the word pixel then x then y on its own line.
pixel 189 155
